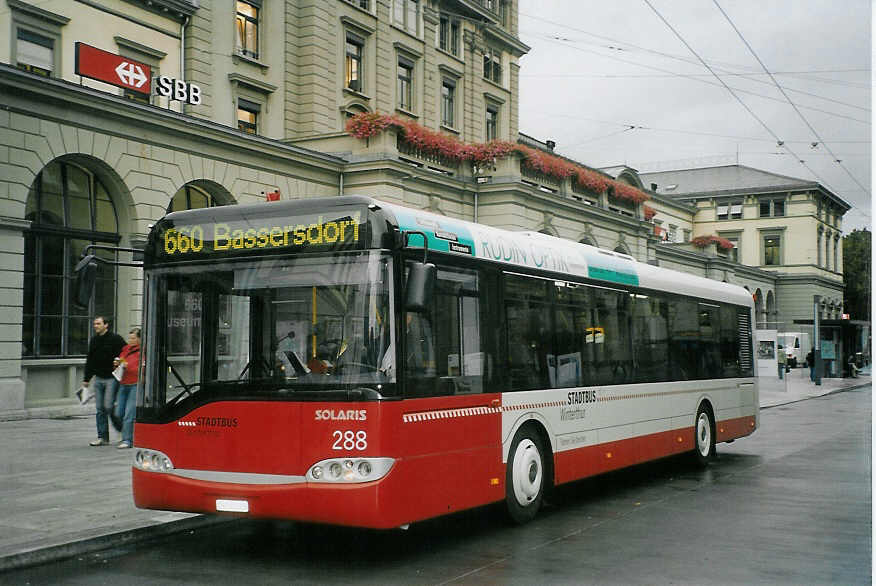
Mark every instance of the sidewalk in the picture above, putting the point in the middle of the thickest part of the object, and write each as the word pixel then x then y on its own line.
pixel 60 498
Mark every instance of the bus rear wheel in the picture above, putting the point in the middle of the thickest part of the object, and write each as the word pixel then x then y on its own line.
pixel 704 437
pixel 525 476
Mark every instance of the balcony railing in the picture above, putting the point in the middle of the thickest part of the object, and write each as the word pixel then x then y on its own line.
pixel 405 148
pixel 538 176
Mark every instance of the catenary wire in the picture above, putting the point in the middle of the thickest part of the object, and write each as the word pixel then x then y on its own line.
pixel 793 105
pixel 738 99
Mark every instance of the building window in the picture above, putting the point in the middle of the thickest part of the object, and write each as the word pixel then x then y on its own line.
pixel 247 21
pixel 730 210
pixel 353 63
pixel 733 253
pixel 772 208
pixel 493 66
pixel 448 35
pixel 406 15
pixel 448 102
pixel 772 250
pixel 492 123
pixel 35 53
pixel 405 84
pixel 69 208
pixel 827 252
pixel 248 116
pixel 191 197
pixel 363 4
pixel 836 246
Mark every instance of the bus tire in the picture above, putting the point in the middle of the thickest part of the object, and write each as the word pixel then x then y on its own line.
pixel 525 476
pixel 704 436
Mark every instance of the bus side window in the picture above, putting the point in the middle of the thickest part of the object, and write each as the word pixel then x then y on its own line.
pixel 709 364
pixel 613 362
pixel 448 349
pixel 684 338
pixel 651 338
pixel 575 337
pixel 529 335
pixel 730 363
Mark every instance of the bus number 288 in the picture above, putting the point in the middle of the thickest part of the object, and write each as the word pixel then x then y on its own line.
pixel 350 440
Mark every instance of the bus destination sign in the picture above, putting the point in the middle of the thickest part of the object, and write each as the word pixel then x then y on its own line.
pixel 302 234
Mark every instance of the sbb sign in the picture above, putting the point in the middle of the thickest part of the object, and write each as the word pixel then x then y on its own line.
pixel 133 75
pixel 177 89
pixel 112 69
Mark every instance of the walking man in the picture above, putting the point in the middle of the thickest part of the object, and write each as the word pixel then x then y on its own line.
pixel 102 350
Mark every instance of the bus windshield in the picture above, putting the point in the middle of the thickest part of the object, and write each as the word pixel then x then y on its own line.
pixel 269 329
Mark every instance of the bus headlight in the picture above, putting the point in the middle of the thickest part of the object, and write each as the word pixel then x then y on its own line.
pixel 152 461
pixel 350 470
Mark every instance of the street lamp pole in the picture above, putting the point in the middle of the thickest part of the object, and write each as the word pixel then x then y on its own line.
pixel 819 365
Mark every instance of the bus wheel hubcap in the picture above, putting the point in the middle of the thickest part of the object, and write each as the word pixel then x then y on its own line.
pixel 704 435
pixel 526 472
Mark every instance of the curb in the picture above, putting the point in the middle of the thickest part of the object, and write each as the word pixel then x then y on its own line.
pixel 825 394
pixel 54 553
pixel 54 412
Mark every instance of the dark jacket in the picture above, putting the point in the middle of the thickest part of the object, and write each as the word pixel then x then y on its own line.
pixel 101 352
pixel 810 359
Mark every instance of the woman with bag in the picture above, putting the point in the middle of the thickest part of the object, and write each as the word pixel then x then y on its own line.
pixel 128 366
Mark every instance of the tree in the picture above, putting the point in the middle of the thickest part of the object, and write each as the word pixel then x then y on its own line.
pixel 856 268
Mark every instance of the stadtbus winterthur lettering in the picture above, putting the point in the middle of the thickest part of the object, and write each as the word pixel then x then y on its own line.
pixel 225 237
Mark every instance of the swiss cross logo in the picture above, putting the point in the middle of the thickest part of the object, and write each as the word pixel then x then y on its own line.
pixel 113 69
pixel 131 74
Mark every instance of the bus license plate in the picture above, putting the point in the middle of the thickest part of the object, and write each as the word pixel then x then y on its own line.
pixel 231 506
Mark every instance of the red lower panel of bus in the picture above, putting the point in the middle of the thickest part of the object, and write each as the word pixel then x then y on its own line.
pixel 415 489
pixel 448 461
pixel 446 450
pixel 592 460
pixel 734 428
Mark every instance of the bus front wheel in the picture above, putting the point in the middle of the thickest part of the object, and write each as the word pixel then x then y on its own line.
pixel 704 437
pixel 525 476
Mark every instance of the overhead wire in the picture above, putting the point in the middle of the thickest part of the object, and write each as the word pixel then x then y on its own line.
pixel 790 101
pixel 618 45
pixel 683 75
pixel 696 132
pixel 766 127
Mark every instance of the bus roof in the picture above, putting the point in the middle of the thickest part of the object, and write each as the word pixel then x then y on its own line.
pixel 539 251
pixel 359 222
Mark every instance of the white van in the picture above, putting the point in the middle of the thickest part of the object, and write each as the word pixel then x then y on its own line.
pixel 797 345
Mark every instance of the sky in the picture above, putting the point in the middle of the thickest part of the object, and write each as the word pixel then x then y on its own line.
pixel 644 83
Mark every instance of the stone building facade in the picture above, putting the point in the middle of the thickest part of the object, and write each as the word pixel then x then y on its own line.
pixel 85 162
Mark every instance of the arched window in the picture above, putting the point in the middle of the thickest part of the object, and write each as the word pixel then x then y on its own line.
pixel 69 208
pixel 191 197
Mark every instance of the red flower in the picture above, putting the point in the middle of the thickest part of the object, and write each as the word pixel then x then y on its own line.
pixel 703 241
pixel 628 192
pixel 431 142
pixel 649 212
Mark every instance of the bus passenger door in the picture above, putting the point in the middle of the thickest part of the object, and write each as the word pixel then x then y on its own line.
pixel 450 433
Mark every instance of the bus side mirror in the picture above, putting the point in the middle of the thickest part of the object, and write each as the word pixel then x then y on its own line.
pixel 84 276
pixel 421 285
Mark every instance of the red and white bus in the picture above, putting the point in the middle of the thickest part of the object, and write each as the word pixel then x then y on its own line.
pixel 313 360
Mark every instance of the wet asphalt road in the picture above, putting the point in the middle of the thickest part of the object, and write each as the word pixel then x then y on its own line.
pixel 789 505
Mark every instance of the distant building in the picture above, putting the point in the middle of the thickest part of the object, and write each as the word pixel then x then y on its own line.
pixel 783 225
